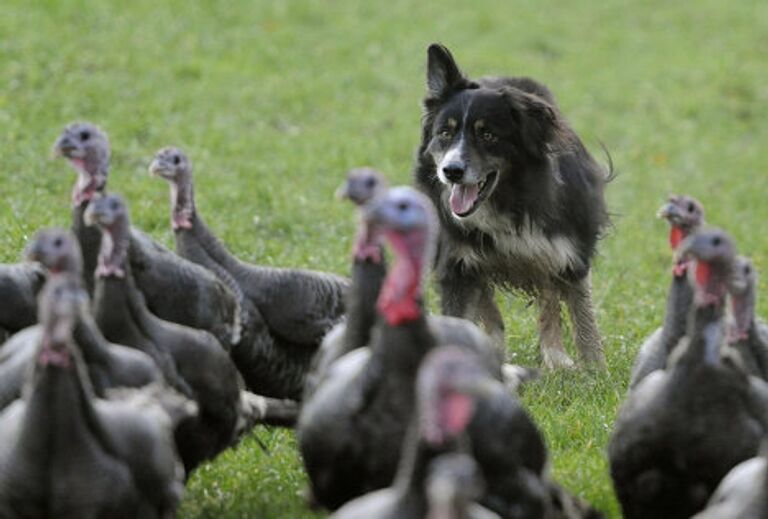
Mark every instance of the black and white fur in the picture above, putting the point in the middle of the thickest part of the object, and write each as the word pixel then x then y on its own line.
pixel 520 201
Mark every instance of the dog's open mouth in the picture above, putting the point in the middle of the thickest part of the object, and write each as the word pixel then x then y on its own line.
pixel 466 198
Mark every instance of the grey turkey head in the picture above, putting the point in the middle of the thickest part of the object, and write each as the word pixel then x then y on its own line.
pixel 172 164
pixel 110 214
pixel 683 211
pixel 403 209
pixel 714 252
pixel 86 147
pixel 106 211
pixel 362 185
pixel 57 250
pixel 448 384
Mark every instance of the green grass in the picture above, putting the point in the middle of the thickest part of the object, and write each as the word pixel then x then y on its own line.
pixel 276 100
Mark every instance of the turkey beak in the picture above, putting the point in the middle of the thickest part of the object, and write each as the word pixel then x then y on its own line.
pixel 33 252
pixel 342 192
pixel 669 211
pixel 157 168
pixel 64 147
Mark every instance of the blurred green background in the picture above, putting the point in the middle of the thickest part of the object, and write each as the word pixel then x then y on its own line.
pixel 274 101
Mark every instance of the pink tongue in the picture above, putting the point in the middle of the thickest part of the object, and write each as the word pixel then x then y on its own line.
pixel 463 197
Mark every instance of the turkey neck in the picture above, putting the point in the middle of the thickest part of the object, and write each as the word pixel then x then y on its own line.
pixel 194 239
pixel 679 301
pixel 706 333
pixel 59 415
pixel 90 339
pixel 404 336
pixel 368 275
pixel 90 244
pixel 411 476
pixel 114 246
pixel 119 306
pixel 182 202
pixel 743 309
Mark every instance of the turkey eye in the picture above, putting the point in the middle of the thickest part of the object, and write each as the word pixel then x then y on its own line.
pixel 85 135
pixel 690 207
pixel 402 206
pixel 747 270
pixel 716 241
pixel 176 160
pixel 113 205
pixel 57 242
pixel 369 183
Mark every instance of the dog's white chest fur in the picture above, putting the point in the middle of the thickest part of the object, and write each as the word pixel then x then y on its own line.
pixel 552 254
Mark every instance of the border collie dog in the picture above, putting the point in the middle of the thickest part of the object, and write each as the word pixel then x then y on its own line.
pixel 520 202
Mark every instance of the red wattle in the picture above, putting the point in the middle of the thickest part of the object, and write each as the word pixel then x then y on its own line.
pixel 703 272
pixel 680 268
pixel 398 298
pixel 456 412
pixel 676 235
pixel 397 312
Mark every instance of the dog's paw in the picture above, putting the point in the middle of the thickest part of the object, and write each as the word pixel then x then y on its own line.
pixel 515 376
pixel 557 359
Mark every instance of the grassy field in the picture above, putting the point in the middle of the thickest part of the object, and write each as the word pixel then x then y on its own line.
pixel 276 100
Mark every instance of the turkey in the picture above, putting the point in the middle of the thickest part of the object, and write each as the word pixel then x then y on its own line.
pixel 368 271
pixel 461 406
pixel 290 309
pixel 191 360
pixel 19 285
pixel 360 412
pixel 108 365
pixel 747 335
pixel 682 429
pixel 742 494
pixel 64 453
pixel 175 289
pixel 685 216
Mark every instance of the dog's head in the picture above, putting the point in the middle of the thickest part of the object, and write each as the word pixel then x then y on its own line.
pixel 479 132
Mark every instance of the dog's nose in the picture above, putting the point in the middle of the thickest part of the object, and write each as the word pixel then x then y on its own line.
pixel 454 171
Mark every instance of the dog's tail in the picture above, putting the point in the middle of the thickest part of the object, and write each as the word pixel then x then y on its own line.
pixel 612 173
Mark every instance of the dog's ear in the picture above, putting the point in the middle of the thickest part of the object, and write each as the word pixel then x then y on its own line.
pixel 539 122
pixel 442 72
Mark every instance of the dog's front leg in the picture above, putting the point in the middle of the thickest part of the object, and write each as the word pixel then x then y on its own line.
pixel 550 330
pixel 466 295
pixel 578 298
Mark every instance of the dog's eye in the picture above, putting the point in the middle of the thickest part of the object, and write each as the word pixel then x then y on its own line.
pixel 487 136
pixel 445 134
